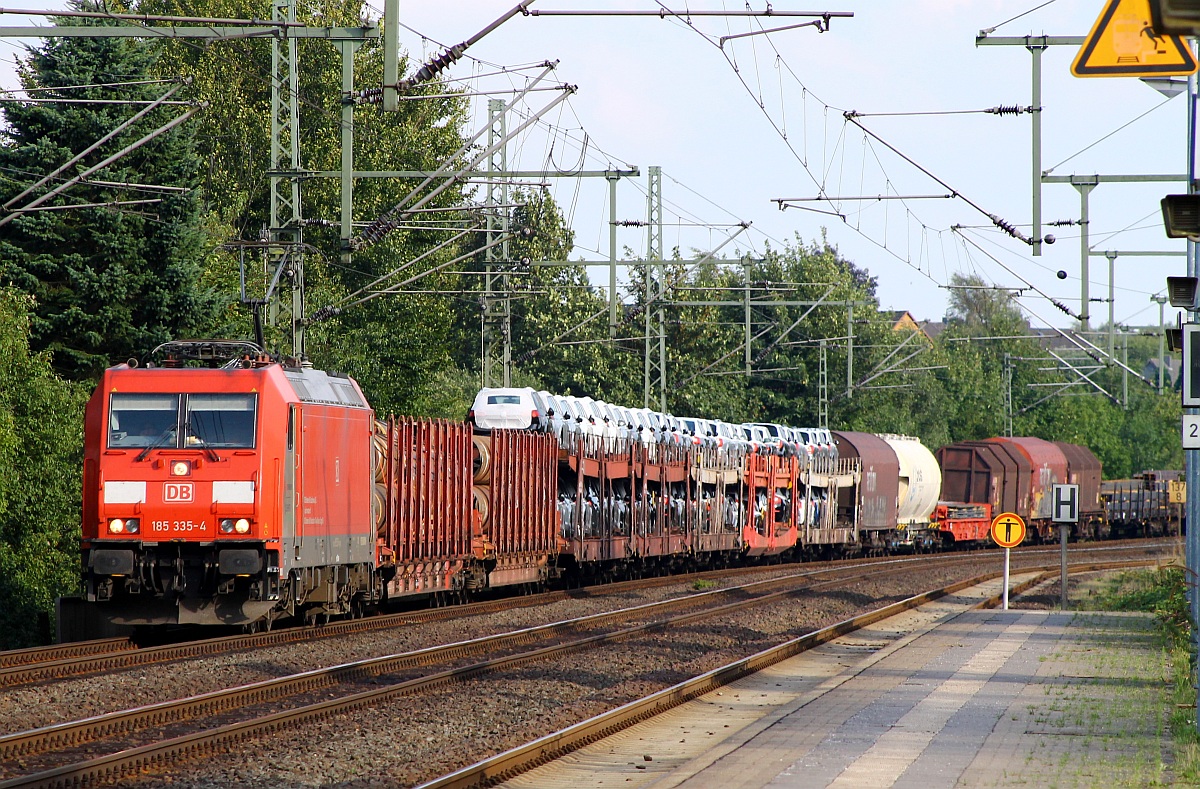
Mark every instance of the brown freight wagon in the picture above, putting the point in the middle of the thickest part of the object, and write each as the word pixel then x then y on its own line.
pixel 985 472
pixel 1085 470
pixel 1048 467
pixel 459 516
pixel 877 495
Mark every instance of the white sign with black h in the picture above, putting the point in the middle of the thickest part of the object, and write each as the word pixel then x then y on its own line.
pixel 1066 504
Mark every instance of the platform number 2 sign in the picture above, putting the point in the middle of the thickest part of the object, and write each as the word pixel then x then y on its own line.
pixel 1191 431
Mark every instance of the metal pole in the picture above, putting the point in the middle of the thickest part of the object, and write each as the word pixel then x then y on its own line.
pixel 1125 371
pixel 347 175
pixel 746 277
pixel 1062 570
pixel 1112 260
pixel 1007 553
pixel 83 154
pixel 849 350
pixel 1036 118
pixel 1162 340
pixel 67 184
pixel 1085 301
pixel 1192 456
pixel 391 54
pixel 1008 403
pixel 612 255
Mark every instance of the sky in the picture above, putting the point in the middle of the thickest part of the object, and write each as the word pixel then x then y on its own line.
pixel 739 124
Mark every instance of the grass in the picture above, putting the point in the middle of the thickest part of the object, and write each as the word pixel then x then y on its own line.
pixel 1163 593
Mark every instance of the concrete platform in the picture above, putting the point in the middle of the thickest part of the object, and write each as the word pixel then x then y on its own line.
pixel 940 697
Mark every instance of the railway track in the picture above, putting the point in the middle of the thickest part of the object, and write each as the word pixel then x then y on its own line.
pixel 83 658
pixel 535 644
pixel 32 656
pixel 519 760
pixel 23 745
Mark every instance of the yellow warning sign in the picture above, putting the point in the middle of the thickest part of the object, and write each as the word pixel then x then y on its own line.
pixel 1122 44
pixel 1008 530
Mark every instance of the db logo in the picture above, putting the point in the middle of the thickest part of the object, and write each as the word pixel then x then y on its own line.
pixel 178 492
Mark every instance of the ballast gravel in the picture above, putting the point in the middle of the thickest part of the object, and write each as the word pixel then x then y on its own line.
pixel 412 739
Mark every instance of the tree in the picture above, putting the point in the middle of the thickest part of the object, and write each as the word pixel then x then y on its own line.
pixel 110 282
pixel 41 456
pixel 398 345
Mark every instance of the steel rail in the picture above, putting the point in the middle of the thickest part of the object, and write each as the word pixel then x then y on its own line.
pixel 114 766
pixel 74 733
pixel 68 664
pixel 30 655
pixel 80 659
pixel 553 746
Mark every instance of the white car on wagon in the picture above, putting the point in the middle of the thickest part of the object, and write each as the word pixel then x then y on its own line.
pixel 507 408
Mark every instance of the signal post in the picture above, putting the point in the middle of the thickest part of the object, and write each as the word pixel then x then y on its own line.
pixel 1064 512
pixel 1008 531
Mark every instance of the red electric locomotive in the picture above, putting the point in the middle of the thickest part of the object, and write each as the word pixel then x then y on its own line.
pixel 233 493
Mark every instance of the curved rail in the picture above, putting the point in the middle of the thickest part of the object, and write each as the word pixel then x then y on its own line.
pixel 191 745
pixel 553 746
pixel 68 664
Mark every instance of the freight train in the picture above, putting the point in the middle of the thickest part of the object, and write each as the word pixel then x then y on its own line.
pixel 226 487
pixel 1144 506
pixel 1018 475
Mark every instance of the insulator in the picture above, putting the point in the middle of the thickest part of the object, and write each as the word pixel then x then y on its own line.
pixel 325 313
pixel 1009 228
pixel 1008 109
pixel 433 67
pixel 1064 308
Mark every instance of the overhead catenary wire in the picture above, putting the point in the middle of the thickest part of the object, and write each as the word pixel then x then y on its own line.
pixel 1120 128
pixel 1004 225
pixel 892 252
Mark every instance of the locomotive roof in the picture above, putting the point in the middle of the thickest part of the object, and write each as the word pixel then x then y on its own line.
pixel 308 385
pixel 318 386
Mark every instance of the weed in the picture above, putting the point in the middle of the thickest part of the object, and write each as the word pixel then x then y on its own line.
pixel 1163 592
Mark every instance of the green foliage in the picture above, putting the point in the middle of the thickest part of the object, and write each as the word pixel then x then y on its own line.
pixel 1160 591
pixel 110 283
pixel 400 366
pixel 41 455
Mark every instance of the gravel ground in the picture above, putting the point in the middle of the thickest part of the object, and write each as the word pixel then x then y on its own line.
pixel 34 706
pixel 413 739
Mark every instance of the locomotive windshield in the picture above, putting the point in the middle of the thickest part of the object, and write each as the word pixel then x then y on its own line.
pixel 215 421
pixel 220 420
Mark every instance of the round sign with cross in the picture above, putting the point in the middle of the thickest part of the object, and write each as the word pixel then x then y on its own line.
pixel 1008 530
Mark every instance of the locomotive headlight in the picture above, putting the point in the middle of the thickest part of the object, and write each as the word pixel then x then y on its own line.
pixel 226 525
pixel 116 526
pixel 132 525
pixel 242 526
pixel 180 468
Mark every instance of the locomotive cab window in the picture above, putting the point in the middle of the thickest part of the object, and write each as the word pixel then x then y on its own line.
pixel 220 421
pixel 142 420
pixel 214 421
